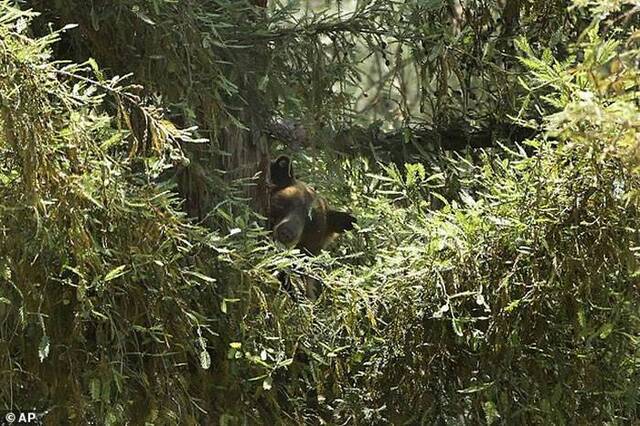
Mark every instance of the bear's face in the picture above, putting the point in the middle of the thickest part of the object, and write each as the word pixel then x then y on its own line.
pixel 298 216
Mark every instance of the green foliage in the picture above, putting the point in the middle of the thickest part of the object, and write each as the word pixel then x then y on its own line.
pixel 516 301
pixel 520 304
pixel 108 291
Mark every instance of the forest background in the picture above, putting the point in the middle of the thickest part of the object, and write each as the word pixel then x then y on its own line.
pixel 489 150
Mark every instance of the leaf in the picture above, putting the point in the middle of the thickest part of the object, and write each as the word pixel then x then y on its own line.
pixel 512 305
pixel 205 360
pixel 490 412
pixel 143 17
pixel 436 176
pixel 440 313
pixel 263 83
pixel 43 348
pixel 582 318
pixel 606 330
pixel 68 27
pixel 440 197
pixel 225 302
pixel 115 273
pixel 112 141
pixel 95 389
pixel 111 419
pixel 476 388
pixel 285 363
pixel 203 277
pixel 96 69
pixel 106 390
pixel 267 383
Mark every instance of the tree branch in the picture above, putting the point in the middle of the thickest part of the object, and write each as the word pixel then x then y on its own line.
pixel 408 142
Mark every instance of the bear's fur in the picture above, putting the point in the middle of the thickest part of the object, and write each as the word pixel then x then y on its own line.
pixel 298 216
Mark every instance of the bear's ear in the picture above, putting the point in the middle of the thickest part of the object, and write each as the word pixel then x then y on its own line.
pixel 339 221
pixel 282 172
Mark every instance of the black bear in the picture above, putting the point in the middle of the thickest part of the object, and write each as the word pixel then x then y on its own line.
pixel 298 216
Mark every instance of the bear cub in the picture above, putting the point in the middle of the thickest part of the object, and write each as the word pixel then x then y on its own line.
pixel 298 216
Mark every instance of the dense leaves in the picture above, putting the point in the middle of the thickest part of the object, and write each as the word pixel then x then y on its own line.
pixel 496 286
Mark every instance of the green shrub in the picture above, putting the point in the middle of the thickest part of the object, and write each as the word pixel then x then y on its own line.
pixel 516 302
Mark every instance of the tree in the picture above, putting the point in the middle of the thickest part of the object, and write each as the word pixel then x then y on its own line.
pixel 515 301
